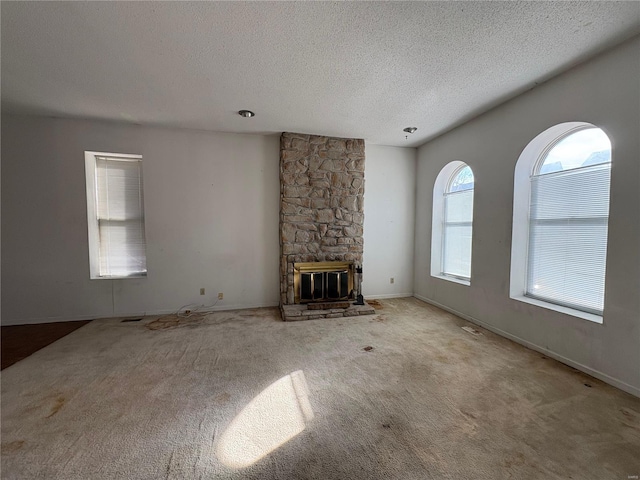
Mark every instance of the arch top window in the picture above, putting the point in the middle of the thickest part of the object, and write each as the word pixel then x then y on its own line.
pixel 452 225
pixel 584 147
pixel 461 180
pixel 560 220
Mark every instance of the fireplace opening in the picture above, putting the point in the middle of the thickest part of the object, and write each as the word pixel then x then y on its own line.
pixel 316 286
pixel 323 281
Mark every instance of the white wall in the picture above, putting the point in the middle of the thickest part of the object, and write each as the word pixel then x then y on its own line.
pixel 389 202
pixel 211 206
pixel 606 93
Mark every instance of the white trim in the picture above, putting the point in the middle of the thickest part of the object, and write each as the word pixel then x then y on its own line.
pixel 114 277
pixel 449 278
pixel 93 228
pixel 388 295
pixel 583 368
pixel 525 166
pixel 93 233
pixel 75 318
pixel 560 308
pixel 441 184
pixel 124 156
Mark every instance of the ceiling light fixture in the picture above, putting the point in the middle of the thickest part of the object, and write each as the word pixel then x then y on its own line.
pixel 246 113
pixel 409 130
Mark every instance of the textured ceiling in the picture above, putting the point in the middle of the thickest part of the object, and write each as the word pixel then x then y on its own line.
pixel 349 69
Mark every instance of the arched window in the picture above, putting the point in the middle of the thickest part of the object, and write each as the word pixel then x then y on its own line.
pixel 452 226
pixel 568 211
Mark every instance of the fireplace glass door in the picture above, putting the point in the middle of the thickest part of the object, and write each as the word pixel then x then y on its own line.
pixel 317 286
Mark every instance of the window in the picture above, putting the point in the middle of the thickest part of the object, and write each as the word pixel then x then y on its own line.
pixel 452 226
pixel 115 212
pixel 567 218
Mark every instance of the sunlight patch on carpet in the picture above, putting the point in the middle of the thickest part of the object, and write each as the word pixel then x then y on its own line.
pixel 276 415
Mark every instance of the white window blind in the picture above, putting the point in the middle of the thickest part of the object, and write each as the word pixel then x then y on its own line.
pixel 457 232
pixel 568 237
pixel 120 217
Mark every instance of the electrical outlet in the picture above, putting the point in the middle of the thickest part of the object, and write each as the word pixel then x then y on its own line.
pixel 220 296
pixel 392 280
pixel 202 291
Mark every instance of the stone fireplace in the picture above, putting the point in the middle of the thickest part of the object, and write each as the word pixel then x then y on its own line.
pixel 321 221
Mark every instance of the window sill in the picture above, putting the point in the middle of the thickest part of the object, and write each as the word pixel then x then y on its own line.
pixel 141 275
pixel 453 279
pixel 559 308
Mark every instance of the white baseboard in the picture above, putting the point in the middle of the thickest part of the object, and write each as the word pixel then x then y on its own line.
pixel 567 361
pixel 389 295
pixel 36 320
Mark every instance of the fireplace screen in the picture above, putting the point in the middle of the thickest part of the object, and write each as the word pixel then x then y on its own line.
pixel 324 286
pixel 318 281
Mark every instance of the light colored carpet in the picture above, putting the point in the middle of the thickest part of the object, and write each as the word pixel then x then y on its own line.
pixel 244 395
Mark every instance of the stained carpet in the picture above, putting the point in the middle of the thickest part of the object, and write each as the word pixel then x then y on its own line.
pixel 403 394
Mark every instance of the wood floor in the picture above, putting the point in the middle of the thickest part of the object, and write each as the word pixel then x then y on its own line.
pixel 20 341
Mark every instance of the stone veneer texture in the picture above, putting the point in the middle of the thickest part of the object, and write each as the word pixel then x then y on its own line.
pixel 321 203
